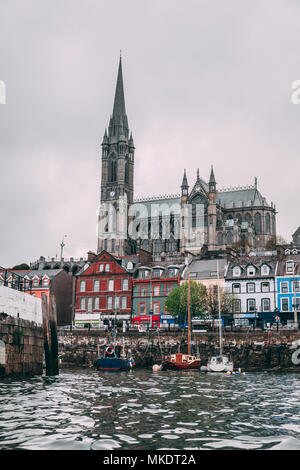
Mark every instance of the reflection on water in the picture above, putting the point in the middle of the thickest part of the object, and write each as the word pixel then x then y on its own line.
pixel 141 409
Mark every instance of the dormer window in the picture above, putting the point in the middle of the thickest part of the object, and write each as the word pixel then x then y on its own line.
pixel 251 271
pixel 265 270
pixel 36 282
pixel 236 271
pixel 173 272
pixel 156 272
pixel 290 267
pixel 45 282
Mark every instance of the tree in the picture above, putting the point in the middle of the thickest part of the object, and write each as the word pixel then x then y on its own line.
pixel 21 267
pixel 177 301
pixel 212 301
pixel 274 241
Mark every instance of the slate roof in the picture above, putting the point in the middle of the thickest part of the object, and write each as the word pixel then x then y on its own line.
pixel 206 269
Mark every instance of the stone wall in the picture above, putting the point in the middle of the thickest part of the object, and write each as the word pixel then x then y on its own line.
pixel 250 351
pixel 20 304
pixel 21 346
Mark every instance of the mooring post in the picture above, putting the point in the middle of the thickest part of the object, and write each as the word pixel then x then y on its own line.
pixel 50 335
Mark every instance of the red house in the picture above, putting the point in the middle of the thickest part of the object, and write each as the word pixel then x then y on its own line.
pixel 103 292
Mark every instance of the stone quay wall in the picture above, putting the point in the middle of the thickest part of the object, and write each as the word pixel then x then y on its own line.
pixel 250 351
pixel 21 346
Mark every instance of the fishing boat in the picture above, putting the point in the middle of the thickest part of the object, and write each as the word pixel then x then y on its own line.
pixel 219 363
pixel 113 359
pixel 181 361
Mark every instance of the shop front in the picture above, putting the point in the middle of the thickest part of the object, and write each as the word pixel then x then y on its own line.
pixel 152 321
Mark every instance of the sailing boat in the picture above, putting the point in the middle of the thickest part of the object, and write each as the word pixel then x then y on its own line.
pixel 181 361
pixel 219 363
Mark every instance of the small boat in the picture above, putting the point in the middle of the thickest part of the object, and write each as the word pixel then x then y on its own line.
pixel 112 360
pixel 181 361
pixel 219 363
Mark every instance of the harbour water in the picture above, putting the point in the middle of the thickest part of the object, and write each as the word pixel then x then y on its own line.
pixel 81 409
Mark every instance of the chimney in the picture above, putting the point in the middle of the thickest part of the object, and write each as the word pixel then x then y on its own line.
pixel 91 256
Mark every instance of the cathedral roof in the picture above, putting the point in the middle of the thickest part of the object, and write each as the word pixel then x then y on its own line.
pixel 239 197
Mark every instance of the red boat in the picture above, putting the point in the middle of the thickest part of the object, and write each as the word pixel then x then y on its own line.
pixel 181 362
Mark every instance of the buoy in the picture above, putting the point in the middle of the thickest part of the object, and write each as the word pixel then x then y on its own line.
pixel 228 372
pixel 203 368
pixel 156 367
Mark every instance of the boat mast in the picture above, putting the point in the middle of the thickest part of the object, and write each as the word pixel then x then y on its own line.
pixel 189 312
pixel 219 305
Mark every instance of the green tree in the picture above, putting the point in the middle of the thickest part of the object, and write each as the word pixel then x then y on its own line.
pixel 212 301
pixel 177 301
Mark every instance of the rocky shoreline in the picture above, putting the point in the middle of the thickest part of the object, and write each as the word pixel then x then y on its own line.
pixel 252 351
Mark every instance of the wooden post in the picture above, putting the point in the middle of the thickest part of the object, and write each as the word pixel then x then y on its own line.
pixel 50 335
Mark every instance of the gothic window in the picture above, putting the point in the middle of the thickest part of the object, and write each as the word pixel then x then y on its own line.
pixel 257 223
pixel 112 169
pixel 126 170
pixel 248 218
pixel 229 238
pixel 239 218
pixel 220 238
pixel 268 223
pixel 157 246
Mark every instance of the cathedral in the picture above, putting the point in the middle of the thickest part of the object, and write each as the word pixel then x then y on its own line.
pixel 200 215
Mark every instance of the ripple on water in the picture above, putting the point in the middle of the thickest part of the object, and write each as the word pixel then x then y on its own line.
pixel 82 409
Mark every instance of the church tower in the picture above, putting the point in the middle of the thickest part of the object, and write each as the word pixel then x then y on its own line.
pixel 117 177
pixel 212 212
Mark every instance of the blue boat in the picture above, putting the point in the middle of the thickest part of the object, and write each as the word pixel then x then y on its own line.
pixel 111 362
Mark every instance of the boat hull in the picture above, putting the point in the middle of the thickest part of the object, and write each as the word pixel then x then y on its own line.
pixel 220 364
pixel 181 362
pixel 107 364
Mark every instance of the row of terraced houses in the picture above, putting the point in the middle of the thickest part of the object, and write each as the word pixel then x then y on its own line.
pixel 132 290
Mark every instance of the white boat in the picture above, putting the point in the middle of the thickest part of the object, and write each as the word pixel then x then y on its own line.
pixel 219 363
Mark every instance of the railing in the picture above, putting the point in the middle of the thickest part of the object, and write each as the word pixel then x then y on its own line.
pixel 14 281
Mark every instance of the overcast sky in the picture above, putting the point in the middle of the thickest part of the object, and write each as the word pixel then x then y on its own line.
pixel 206 82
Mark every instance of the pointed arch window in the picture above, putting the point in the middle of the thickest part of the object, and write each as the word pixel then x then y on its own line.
pixel 112 169
pixel 257 223
pixel 127 169
pixel 268 223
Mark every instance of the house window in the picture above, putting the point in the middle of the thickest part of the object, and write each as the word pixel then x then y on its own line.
pixel 36 282
pixel 285 305
pixel 168 289
pixel 82 303
pixel 96 306
pixel 251 271
pixel 156 272
pixel 284 287
pixel 251 305
pixel 156 291
pixel 265 305
pixel 250 287
pixel 236 288
pixel 290 267
pixel 124 301
pixel 236 271
pixel 117 302
pixel 142 306
pixel 109 302
pixel 96 286
pixel 265 287
pixel 111 285
pixel 82 286
pixel 265 270
pixel 101 267
pixel 90 304
pixel 46 282
pixel 296 303
pixel 236 306
pixel 296 286
pixel 107 268
pixel 125 284
pixel 156 308
pixel 143 291
pixel 173 272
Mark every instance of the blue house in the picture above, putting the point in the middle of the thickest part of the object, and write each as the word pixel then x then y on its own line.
pixel 288 286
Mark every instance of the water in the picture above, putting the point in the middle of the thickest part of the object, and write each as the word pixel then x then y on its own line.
pixel 82 409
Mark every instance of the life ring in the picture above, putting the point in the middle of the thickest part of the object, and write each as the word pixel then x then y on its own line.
pixel 109 350
pixel 296 357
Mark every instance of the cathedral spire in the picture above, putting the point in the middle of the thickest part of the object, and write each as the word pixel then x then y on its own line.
pixel 212 181
pixel 119 101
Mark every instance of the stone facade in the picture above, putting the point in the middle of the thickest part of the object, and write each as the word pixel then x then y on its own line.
pixel 21 346
pixel 170 225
